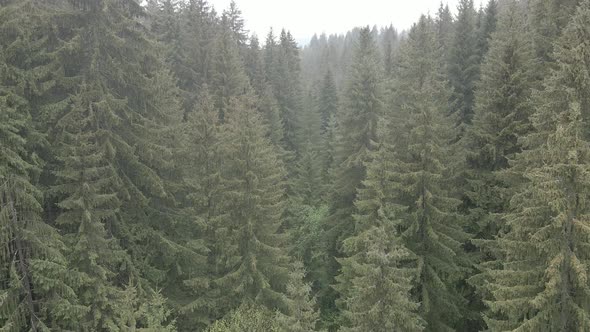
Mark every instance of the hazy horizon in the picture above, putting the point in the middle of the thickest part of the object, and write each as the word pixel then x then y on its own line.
pixel 304 18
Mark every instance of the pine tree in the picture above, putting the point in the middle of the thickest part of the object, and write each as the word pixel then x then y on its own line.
pixel 487 26
pixel 228 77
pixel 444 31
pixel 236 24
pixel 36 285
pixel 328 100
pixel 113 130
pixel 540 283
pixel 379 271
pixel 201 173
pixel 302 316
pixel 502 114
pixel 463 64
pixel 422 174
pixel 250 262
pixel 357 133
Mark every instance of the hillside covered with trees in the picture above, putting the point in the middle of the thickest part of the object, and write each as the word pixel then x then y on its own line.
pixel 162 169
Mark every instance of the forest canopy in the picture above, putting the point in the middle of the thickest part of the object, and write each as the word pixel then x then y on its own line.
pixel 163 169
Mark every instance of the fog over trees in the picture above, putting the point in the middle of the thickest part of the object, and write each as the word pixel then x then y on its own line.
pixel 163 169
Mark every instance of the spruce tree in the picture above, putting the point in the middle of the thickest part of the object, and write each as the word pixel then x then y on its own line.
pixel 88 183
pixel 254 65
pixel 308 182
pixel 422 174
pixel 357 129
pixel 502 112
pixel 113 129
pixel 228 77
pixel 378 273
pixel 201 173
pixel 487 26
pixel 236 24
pixel 283 73
pixel 357 133
pixel 302 315
pixel 540 283
pixel 549 18
pixel 444 31
pixel 199 31
pixel 463 64
pixel 328 100
pixel 36 285
pixel 250 262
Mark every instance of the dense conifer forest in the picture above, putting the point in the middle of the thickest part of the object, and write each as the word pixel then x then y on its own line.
pixel 163 169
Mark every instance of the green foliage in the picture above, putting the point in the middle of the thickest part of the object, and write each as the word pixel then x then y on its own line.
pixel 539 283
pixel 247 318
pixel 160 170
pixel 302 315
pixel 36 286
pixel 422 174
pixel 379 271
pixel 229 79
pixel 463 64
pixel 486 25
pixel 250 262
pixel 502 114
pixel 357 132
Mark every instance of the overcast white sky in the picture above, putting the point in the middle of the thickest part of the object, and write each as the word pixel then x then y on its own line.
pixel 306 17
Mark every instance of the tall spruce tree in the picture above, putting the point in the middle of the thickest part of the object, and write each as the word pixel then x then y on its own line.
pixel 36 285
pixel 228 78
pixel 250 262
pixel 356 137
pixel 328 100
pixel 302 315
pixel 502 112
pixel 201 173
pixel 487 25
pixel 444 31
pixel 422 173
pixel 379 271
pixel 112 130
pixel 540 283
pixel 463 64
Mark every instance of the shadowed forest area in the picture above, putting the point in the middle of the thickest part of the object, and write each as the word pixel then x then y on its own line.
pixel 163 169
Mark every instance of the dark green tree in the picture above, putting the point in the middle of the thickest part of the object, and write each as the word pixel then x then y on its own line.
pixel 379 271
pixel 463 64
pixel 328 100
pixel 251 264
pixel 502 112
pixel 540 281
pixel 36 285
pixel 302 315
pixel 202 175
pixel 228 77
pixel 357 133
pixel 444 31
pixel 423 175
pixel 486 26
